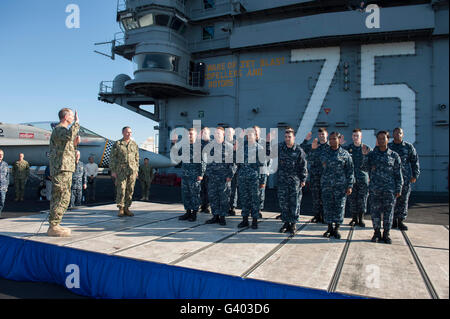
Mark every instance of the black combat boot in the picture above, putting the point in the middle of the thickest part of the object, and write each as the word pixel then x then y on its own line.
pixel 244 222
pixel 185 216
pixel 336 232
pixel 386 237
pixel 402 226
pixel 193 216
pixel 255 223
pixel 259 214
pixel 376 236
pixel 222 221
pixel 284 228
pixel 329 231
pixel 232 212
pixel 278 217
pixel 354 221
pixel 361 220
pixel 213 220
pixel 394 223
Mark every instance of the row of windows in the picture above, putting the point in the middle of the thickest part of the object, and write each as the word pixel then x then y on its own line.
pixel 160 61
pixel 168 62
pixel 149 19
pixel 163 20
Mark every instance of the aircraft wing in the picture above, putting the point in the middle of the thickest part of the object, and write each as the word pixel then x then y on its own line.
pixel 22 142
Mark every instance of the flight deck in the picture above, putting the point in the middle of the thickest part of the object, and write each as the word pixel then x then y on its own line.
pixel 195 260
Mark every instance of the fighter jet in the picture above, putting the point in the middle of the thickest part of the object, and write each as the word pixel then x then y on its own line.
pixel 33 140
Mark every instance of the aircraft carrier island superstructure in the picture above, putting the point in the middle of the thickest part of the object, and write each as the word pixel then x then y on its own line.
pixel 304 64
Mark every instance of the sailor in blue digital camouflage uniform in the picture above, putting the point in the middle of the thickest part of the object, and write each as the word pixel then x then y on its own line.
pixel 262 191
pixel 79 181
pixel 410 171
pixel 193 169
pixel 230 138
pixel 357 200
pixel 205 207
pixel 251 161
pixel 385 185
pixel 292 174
pixel 219 170
pixel 4 180
pixel 315 170
pixel 337 180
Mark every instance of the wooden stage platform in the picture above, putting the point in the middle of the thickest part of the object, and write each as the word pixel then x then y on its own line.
pixel 416 265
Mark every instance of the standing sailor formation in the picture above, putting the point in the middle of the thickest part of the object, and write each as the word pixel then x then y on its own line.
pixel 378 181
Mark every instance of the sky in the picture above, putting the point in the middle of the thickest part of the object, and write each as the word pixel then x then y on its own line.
pixel 45 66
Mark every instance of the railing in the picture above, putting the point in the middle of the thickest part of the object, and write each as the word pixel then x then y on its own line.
pixel 119 38
pixel 196 79
pixel 161 33
pixel 106 87
pixel 122 5
pixel 211 44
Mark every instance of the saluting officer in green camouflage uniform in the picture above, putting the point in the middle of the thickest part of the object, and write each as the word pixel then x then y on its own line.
pixel 21 171
pixel 62 165
pixel 145 177
pixel 125 166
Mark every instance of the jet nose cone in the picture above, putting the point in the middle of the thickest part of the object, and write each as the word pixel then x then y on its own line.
pixel 155 160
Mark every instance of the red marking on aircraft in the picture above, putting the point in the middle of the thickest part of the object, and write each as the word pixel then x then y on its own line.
pixel 26 135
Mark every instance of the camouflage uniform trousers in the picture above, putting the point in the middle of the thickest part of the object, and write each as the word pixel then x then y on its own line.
pixel 219 194
pixel 234 191
pixel 316 193
pixel 204 192
pixel 381 202
pixel 190 192
pixel 76 196
pixel 249 194
pixel 401 205
pixel 289 197
pixel 2 200
pixel 262 192
pixel 145 187
pixel 357 201
pixel 19 184
pixel 333 199
pixel 125 188
pixel 61 185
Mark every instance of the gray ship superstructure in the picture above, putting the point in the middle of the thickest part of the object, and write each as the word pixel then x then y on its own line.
pixel 278 63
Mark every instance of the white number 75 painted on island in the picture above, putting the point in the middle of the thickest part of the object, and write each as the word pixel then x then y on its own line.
pixel 369 89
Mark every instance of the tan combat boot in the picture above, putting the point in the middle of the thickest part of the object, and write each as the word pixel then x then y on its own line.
pixel 128 212
pixel 121 212
pixel 58 231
